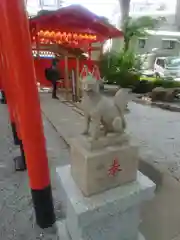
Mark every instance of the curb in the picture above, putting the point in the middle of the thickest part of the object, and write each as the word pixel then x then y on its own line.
pixel 55 128
pixel 164 106
pixel 152 171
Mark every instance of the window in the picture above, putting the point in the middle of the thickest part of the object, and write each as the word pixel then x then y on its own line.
pixel 173 61
pixel 48 3
pixel 142 43
pixel 168 44
pixel 160 62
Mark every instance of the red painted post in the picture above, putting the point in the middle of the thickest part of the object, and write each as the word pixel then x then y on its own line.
pixel 8 91
pixel 90 51
pixel 3 96
pixel 15 37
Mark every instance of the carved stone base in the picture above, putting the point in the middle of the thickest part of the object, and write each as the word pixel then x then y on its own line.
pixel 111 215
pixel 112 139
pixel 64 234
pixel 102 169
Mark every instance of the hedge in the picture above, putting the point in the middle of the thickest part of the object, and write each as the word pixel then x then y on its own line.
pixel 141 84
pixel 145 86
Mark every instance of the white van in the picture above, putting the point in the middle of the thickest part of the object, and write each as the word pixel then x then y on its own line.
pixel 167 67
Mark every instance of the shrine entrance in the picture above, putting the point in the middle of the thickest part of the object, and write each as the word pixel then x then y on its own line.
pixel 77 36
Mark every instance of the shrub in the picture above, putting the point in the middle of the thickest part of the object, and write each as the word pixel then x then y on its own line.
pixel 166 84
pixel 120 69
pixel 145 86
pixel 127 79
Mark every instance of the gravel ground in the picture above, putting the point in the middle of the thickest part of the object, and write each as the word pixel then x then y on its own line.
pixel 157 131
pixel 16 212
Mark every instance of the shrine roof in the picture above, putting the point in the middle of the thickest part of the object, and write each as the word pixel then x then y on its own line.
pixel 75 18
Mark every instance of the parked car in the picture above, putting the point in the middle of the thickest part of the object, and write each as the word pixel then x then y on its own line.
pixel 167 67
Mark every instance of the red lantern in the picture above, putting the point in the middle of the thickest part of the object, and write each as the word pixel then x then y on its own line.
pixel 80 37
pixel 46 34
pixel 75 36
pixel 51 35
pixel 57 36
pixel 69 37
pixel 41 34
pixel 86 36
pixel 64 36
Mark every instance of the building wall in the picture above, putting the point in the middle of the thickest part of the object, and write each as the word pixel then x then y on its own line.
pixel 157 42
pixel 177 15
pixel 172 23
pixel 95 55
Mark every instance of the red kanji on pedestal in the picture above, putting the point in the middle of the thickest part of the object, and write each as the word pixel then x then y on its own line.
pixel 115 168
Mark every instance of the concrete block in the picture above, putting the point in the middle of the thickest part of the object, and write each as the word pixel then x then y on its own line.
pixel 113 214
pixel 64 235
pixel 102 169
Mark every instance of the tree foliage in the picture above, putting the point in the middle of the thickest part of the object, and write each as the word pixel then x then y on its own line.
pixel 120 68
pixel 138 28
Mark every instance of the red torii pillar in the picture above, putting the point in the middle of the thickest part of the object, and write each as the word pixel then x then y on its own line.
pixel 11 108
pixel 15 38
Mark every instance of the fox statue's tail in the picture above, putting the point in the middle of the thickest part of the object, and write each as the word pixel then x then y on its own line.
pixel 121 99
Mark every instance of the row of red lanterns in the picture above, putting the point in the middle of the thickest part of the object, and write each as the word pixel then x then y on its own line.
pixel 66 36
pixel 47 41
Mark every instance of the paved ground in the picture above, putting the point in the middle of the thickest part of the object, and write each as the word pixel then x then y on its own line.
pixel 16 211
pixel 157 134
pixel 155 131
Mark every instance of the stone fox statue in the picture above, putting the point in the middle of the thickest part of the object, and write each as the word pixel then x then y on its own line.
pixel 103 113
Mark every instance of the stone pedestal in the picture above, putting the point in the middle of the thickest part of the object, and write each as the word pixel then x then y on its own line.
pixel 100 165
pixel 113 214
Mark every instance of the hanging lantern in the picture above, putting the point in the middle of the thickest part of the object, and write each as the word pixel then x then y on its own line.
pixel 69 37
pixel 64 37
pixel 85 36
pixel 41 33
pixel 51 35
pixel 60 36
pixel 75 36
pixel 80 37
pixel 46 34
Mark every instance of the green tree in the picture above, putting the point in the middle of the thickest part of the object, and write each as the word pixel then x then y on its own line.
pixel 138 28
